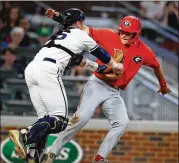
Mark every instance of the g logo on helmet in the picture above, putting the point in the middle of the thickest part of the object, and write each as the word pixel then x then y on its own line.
pixel 127 23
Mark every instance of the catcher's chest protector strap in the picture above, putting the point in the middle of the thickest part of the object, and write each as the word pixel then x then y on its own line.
pixel 49 45
pixel 73 55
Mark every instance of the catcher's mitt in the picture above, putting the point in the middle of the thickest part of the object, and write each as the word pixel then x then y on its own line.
pixel 108 74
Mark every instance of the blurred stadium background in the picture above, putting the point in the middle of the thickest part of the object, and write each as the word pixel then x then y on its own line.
pixel 152 136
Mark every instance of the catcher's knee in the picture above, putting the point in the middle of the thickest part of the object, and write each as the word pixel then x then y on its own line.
pixel 55 124
pixel 45 126
pixel 58 124
pixel 39 130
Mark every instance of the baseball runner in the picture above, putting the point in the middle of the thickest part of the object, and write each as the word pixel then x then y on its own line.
pixel 44 78
pixel 104 89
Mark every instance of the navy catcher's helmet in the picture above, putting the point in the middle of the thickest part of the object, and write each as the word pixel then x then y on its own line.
pixel 72 15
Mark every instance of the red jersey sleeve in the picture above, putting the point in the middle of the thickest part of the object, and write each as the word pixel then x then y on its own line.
pixel 101 34
pixel 150 58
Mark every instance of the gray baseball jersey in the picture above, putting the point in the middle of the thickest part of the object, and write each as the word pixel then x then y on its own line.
pixel 43 74
pixel 95 93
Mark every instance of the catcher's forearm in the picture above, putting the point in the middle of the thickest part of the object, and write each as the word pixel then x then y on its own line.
pixel 160 76
pixel 89 65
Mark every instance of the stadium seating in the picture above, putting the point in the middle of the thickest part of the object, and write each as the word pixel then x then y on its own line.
pixel 18 107
pixel 4 74
pixel 14 85
pixel 145 107
pixel 27 53
pixel 5 95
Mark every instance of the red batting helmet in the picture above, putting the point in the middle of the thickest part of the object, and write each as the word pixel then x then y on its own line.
pixel 131 24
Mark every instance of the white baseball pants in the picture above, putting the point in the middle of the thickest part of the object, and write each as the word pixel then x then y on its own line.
pixel 46 89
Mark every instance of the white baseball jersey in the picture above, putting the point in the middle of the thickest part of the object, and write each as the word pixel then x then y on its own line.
pixel 77 41
pixel 43 77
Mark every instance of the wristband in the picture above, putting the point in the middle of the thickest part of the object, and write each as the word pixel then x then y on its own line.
pixel 90 65
pixel 163 83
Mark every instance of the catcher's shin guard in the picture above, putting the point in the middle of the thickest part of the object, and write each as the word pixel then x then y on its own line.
pixel 38 131
pixel 45 126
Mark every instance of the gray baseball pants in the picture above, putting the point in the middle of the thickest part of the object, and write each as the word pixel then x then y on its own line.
pixel 95 93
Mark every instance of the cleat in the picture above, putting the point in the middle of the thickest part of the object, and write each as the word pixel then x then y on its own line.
pixel 17 138
pixel 48 158
pixel 31 159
